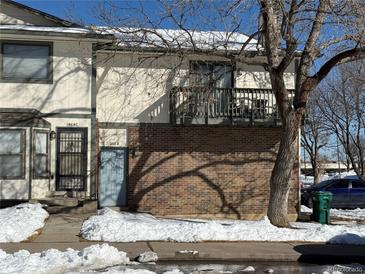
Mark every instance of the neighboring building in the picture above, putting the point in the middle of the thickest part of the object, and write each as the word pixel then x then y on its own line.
pixel 120 127
pixel 328 167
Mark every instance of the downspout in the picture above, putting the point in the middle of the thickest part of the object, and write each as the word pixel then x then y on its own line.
pixel 296 66
pixel 299 171
pixel 93 162
pixel 30 166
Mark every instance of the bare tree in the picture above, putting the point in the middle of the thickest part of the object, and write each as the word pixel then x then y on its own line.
pixel 342 106
pixel 314 134
pixel 318 34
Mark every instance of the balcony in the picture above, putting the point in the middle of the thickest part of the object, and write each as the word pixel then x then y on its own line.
pixel 234 106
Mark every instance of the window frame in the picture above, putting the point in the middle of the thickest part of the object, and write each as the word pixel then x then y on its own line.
pixel 23 153
pixel 34 175
pixel 213 64
pixel 48 80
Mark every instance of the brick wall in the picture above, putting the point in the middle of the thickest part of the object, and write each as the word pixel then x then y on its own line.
pixel 203 170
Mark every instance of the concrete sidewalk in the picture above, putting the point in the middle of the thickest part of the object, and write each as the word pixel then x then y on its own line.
pixel 61 232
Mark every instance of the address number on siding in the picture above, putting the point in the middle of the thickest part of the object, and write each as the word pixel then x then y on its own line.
pixel 72 124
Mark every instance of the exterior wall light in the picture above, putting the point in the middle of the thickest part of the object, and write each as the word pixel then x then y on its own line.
pixel 52 135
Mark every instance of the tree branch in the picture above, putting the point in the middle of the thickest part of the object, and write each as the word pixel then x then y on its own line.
pixel 343 57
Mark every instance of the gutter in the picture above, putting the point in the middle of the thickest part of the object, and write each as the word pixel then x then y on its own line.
pixel 87 36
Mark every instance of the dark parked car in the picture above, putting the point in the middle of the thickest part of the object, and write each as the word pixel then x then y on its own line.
pixel 347 193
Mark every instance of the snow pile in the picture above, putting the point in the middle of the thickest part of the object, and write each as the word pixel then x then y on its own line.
pixel 249 269
pixel 357 214
pixel 306 181
pixel 174 271
pixel 126 270
pixel 55 261
pixel 20 222
pixel 304 209
pixel 193 252
pixel 147 257
pixel 115 226
pixel 347 174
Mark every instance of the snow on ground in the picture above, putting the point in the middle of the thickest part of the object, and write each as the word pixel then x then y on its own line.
pixel 347 174
pixel 55 261
pixel 305 209
pixel 307 181
pixel 21 221
pixel 357 214
pixel 114 226
pixel 126 270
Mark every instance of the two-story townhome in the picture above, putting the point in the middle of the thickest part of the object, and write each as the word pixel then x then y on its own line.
pixel 47 112
pixel 91 114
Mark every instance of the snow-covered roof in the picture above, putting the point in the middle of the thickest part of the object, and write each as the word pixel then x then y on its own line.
pixel 181 39
pixel 77 32
pixel 155 38
pixel 45 29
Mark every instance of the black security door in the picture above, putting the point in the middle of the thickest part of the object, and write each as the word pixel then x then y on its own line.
pixel 71 159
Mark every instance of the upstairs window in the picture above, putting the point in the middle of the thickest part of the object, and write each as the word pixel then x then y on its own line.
pixel 26 62
pixel 12 143
pixel 206 74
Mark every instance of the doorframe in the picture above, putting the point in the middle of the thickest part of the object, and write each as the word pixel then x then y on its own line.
pixel 85 147
pixel 126 169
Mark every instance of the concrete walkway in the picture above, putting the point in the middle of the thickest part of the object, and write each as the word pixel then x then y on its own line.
pixel 61 232
pixel 62 228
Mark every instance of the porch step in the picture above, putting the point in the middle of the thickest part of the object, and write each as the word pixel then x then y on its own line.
pixel 67 194
pixel 58 201
pixel 119 208
pixel 82 207
pixel 58 194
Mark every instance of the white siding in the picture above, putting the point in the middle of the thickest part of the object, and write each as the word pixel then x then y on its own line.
pixel 70 91
pixel 11 15
pixel 131 90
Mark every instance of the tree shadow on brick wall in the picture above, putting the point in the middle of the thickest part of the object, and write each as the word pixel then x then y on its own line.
pixel 141 155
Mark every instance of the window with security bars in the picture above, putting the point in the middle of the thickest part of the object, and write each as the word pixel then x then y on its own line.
pixel 41 153
pixel 12 142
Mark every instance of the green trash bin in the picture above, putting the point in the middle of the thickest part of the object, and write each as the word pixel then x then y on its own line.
pixel 322 201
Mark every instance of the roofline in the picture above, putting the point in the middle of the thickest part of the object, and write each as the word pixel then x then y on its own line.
pixel 92 35
pixel 48 16
pixel 113 48
pixel 107 48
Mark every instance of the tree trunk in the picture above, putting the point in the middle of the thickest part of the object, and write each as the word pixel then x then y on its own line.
pixel 281 174
pixel 315 173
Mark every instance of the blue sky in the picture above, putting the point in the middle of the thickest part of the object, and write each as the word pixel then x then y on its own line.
pixel 85 10
pixel 60 8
